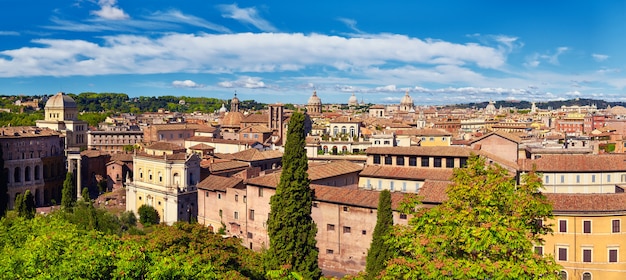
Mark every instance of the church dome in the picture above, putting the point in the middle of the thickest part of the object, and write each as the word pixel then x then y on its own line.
pixel 617 110
pixel 61 100
pixel 314 100
pixel 235 100
pixel 491 108
pixel 232 119
pixel 223 109
pixel 353 101
pixel 406 99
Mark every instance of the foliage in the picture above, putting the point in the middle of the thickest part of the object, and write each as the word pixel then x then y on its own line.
pixel 379 252
pixel 128 219
pixel 148 215
pixel 290 227
pixel 25 205
pixel 49 247
pixel 68 193
pixel 20 119
pixel 93 118
pixel 4 187
pixel 485 230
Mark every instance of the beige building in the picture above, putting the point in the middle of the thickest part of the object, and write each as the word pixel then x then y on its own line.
pixel 166 182
pixel 61 114
pixel 113 141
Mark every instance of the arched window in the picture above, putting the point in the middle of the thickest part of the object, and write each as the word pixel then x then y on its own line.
pixel 563 275
pixel 37 171
pixel 176 179
pixel 587 276
pixel 335 130
pixel 150 175
pixel 140 174
pixel 160 177
pixel 344 130
pixel 17 175
pixel 326 149
pixel 344 149
pixel 27 173
pixel 352 131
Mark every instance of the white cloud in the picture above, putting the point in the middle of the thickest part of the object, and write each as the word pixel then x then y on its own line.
pixel 176 16
pixel 186 84
pixel 109 11
pixel 244 82
pixel 247 16
pixel 350 23
pixel 599 57
pixel 9 33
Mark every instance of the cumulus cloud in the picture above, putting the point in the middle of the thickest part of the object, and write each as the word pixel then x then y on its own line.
pixel 599 57
pixel 109 10
pixel 247 16
pixel 186 84
pixel 244 82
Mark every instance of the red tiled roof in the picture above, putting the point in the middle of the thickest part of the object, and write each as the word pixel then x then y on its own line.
pixel 256 118
pixel 165 146
pixel 355 197
pixel 434 191
pixel 410 173
pixel 219 183
pixel 224 165
pixel 505 135
pixel 316 172
pixel 252 154
pixel 122 157
pixel 575 163
pixel 208 139
pixel 588 203
pixel 443 151
pixel 202 146
pixel 423 132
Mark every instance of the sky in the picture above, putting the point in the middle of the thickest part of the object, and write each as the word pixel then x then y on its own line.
pixel 440 52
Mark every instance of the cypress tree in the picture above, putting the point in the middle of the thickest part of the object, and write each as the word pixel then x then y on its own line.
pixel 68 197
pixel 379 252
pixel 290 227
pixel 4 188
pixel 28 208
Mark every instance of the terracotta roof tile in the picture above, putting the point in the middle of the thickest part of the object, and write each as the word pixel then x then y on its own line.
pixel 575 163
pixel 202 146
pixel 355 197
pixel 252 154
pixel 256 118
pixel 219 183
pixel 434 191
pixel 165 146
pixel 588 203
pixel 26 131
pixel 224 165
pixel 423 132
pixel 316 172
pixel 505 135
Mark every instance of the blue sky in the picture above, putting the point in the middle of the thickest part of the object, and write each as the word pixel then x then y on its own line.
pixel 442 52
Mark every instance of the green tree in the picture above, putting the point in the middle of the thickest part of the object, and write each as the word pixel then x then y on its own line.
pixel 4 180
pixel 148 215
pixel 485 230
pixel 68 195
pixel 379 252
pixel 290 227
pixel 27 208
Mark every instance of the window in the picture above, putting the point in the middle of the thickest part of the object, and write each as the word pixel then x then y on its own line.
pixel 577 179
pixel 562 225
pixel 251 215
pixel 425 162
pixel 236 198
pixel 364 232
pixel 220 213
pixel 376 159
pixel 244 199
pixel 329 251
pixel 346 229
pixel 249 234
pixel 403 216
pixel 450 162
pixel 587 276
pixel 412 161
pixel 219 196
pixel 615 226
pixel 315 204
pixel 608 178
pixel 260 192
pixel 437 162
pixel 330 227
pixel 593 178
pixel 586 226
pixel 391 188
pixel 563 275
pixel 345 209
pixel 613 255
pixel 236 215
pixel 562 178
pixel 539 250
pixel 380 185
pixel 206 193
pixel 463 162
pixel 400 160
pixel 388 160
pixel 404 186
pixel 547 179
pixel 586 255
pixel 562 254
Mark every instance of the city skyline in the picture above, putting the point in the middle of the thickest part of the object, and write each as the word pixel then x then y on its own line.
pixel 446 52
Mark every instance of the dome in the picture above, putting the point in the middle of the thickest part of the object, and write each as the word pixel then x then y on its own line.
pixel 223 109
pixel 232 119
pixel 617 110
pixel 235 100
pixel 61 100
pixel 406 100
pixel 314 100
pixel 353 101
pixel 491 108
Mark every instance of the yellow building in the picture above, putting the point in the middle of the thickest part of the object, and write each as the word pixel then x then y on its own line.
pixel 166 182
pixel 588 236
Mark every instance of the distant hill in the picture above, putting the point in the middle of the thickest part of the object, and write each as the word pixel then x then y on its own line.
pixel 600 104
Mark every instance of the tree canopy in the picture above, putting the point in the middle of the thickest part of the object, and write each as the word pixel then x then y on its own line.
pixel 379 252
pixel 487 229
pixel 290 227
